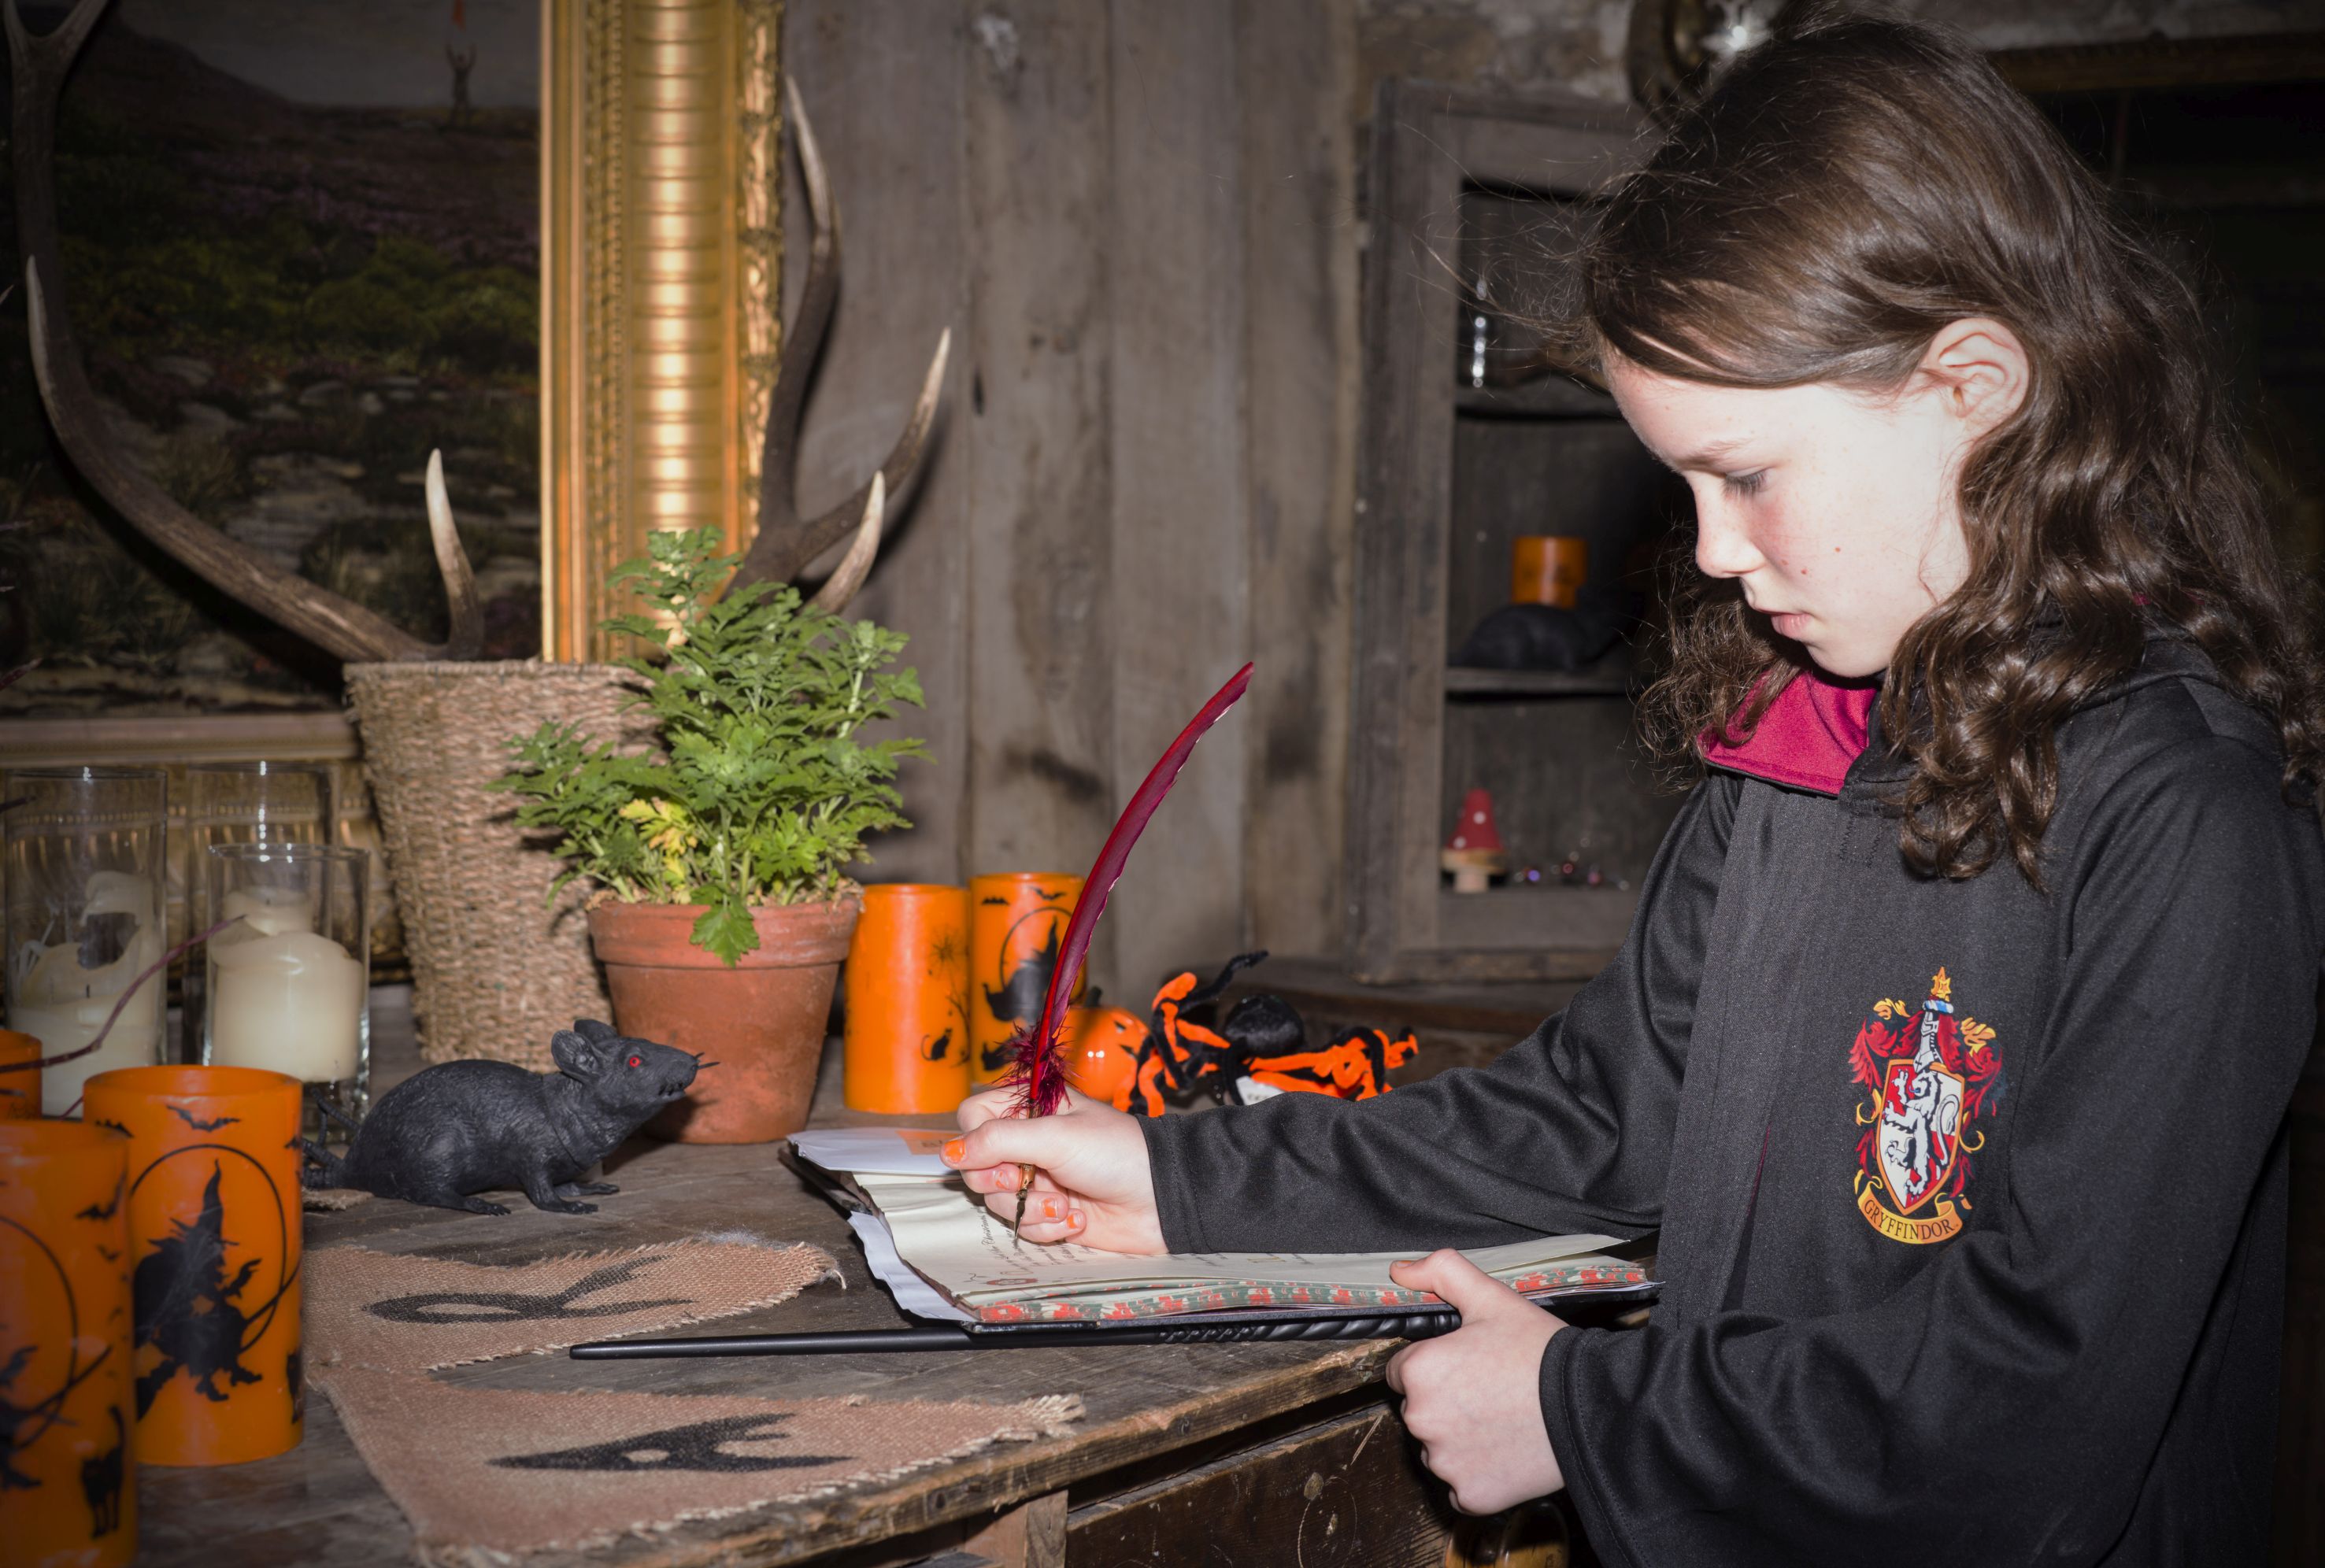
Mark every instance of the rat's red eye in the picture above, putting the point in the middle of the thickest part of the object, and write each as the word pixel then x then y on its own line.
pixel 637 1061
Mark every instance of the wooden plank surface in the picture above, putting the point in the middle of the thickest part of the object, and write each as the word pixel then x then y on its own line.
pixel 1041 641
pixel 897 178
pixel 1347 1490
pixel 1178 594
pixel 320 1506
pixel 1295 59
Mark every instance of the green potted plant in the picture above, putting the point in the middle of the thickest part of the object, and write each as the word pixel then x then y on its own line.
pixel 722 906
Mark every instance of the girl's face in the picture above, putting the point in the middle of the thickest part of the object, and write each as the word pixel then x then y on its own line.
pixel 1835 510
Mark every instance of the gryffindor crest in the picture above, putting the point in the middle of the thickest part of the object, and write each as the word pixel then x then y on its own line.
pixel 1932 1075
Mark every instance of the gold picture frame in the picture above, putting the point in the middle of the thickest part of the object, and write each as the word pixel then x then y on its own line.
pixel 661 258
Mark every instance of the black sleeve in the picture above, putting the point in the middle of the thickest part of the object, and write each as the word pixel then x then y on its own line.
pixel 1570 1129
pixel 2034 1365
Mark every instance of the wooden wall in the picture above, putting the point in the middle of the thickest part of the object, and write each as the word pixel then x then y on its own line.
pixel 1137 218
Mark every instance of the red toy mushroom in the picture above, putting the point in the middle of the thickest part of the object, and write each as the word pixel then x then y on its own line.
pixel 1474 854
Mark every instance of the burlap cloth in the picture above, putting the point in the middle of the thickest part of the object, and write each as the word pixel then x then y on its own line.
pixel 480 1472
pixel 406 1313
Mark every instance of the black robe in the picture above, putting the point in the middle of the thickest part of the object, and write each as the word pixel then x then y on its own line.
pixel 2024 1306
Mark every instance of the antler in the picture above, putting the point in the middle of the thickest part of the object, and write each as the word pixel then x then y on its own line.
pixel 784 544
pixel 337 625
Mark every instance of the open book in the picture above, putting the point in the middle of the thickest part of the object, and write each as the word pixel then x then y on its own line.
pixel 945 1256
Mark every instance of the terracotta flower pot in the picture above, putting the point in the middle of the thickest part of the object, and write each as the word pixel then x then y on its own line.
pixel 761 1021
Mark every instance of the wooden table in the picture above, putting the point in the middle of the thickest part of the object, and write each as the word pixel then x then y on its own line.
pixel 1209 1453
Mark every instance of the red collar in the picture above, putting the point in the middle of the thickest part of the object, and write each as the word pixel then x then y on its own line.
pixel 1808 738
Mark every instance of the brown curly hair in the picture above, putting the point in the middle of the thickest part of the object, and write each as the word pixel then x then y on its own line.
pixel 1847 192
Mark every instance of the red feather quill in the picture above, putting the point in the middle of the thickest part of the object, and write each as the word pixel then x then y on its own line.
pixel 1039 1074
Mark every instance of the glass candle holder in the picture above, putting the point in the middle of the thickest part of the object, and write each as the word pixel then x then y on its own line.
pixel 239 803
pixel 287 987
pixel 87 875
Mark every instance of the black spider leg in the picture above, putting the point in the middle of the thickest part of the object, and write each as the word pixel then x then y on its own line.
pixel 1219 983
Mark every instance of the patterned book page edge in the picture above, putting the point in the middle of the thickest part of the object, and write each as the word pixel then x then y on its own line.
pixel 1586 1276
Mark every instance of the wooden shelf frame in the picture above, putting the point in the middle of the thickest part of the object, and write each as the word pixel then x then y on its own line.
pixel 1429 142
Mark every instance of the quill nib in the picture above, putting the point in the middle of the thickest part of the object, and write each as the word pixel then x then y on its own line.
pixel 1024 1186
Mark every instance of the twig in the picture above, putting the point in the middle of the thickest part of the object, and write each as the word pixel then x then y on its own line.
pixel 144 975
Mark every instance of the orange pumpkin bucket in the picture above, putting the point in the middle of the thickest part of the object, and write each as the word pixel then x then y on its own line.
pixel 20 1087
pixel 907 990
pixel 1016 921
pixel 213 1241
pixel 1102 1052
pixel 67 1490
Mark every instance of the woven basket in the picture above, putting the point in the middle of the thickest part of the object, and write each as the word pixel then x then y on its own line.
pixel 495 967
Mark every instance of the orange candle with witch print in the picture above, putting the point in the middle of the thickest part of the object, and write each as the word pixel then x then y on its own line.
pixel 1017 920
pixel 19 1085
pixel 67 1490
pixel 907 990
pixel 214 1218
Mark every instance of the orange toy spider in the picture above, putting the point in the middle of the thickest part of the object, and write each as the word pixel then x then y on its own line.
pixel 1258 1050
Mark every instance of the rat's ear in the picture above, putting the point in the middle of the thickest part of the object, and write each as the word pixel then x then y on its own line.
pixel 590 1028
pixel 576 1057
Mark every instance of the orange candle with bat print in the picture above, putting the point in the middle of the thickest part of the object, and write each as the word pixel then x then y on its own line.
pixel 67 1488
pixel 1016 921
pixel 214 1243
pixel 907 993
pixel 20 1086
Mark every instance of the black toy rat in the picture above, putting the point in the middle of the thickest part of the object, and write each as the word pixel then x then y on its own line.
pixel 450 1132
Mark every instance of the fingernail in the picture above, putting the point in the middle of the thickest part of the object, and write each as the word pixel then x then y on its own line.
pixel 1049 1208
pixel 954 1150
pixel 1074 1221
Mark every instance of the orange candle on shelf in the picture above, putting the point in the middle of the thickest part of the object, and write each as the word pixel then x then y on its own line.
pixel 907 989
pixel 214 1235
pixel 70 1497
pixel 1016 921
pixel 1548 568
pixel 20 1087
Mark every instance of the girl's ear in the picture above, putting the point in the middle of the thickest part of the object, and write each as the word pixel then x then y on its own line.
pixel 1981 370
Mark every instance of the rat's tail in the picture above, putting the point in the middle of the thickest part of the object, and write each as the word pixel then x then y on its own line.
pixel 323 1168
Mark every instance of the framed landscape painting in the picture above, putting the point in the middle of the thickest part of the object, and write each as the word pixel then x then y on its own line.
pixel 301 249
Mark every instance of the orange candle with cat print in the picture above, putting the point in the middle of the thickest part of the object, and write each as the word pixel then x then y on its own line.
pixel 1016 920
pixel 214 1244
pixel 907 991
pixel 20 1083
pixel 68 1495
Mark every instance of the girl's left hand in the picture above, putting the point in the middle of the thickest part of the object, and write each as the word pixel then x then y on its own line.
pixel 1474 1397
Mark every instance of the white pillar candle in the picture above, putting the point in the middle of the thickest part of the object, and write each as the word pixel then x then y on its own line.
pixel 267 912
pixel 63 1005
pixel 290 1002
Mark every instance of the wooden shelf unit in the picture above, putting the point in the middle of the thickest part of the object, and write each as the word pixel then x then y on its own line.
pixel 1452 471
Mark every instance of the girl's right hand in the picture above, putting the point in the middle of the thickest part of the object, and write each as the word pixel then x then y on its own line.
pixel 1092 1180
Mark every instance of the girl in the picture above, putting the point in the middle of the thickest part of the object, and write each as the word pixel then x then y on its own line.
pixel 1951 1047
